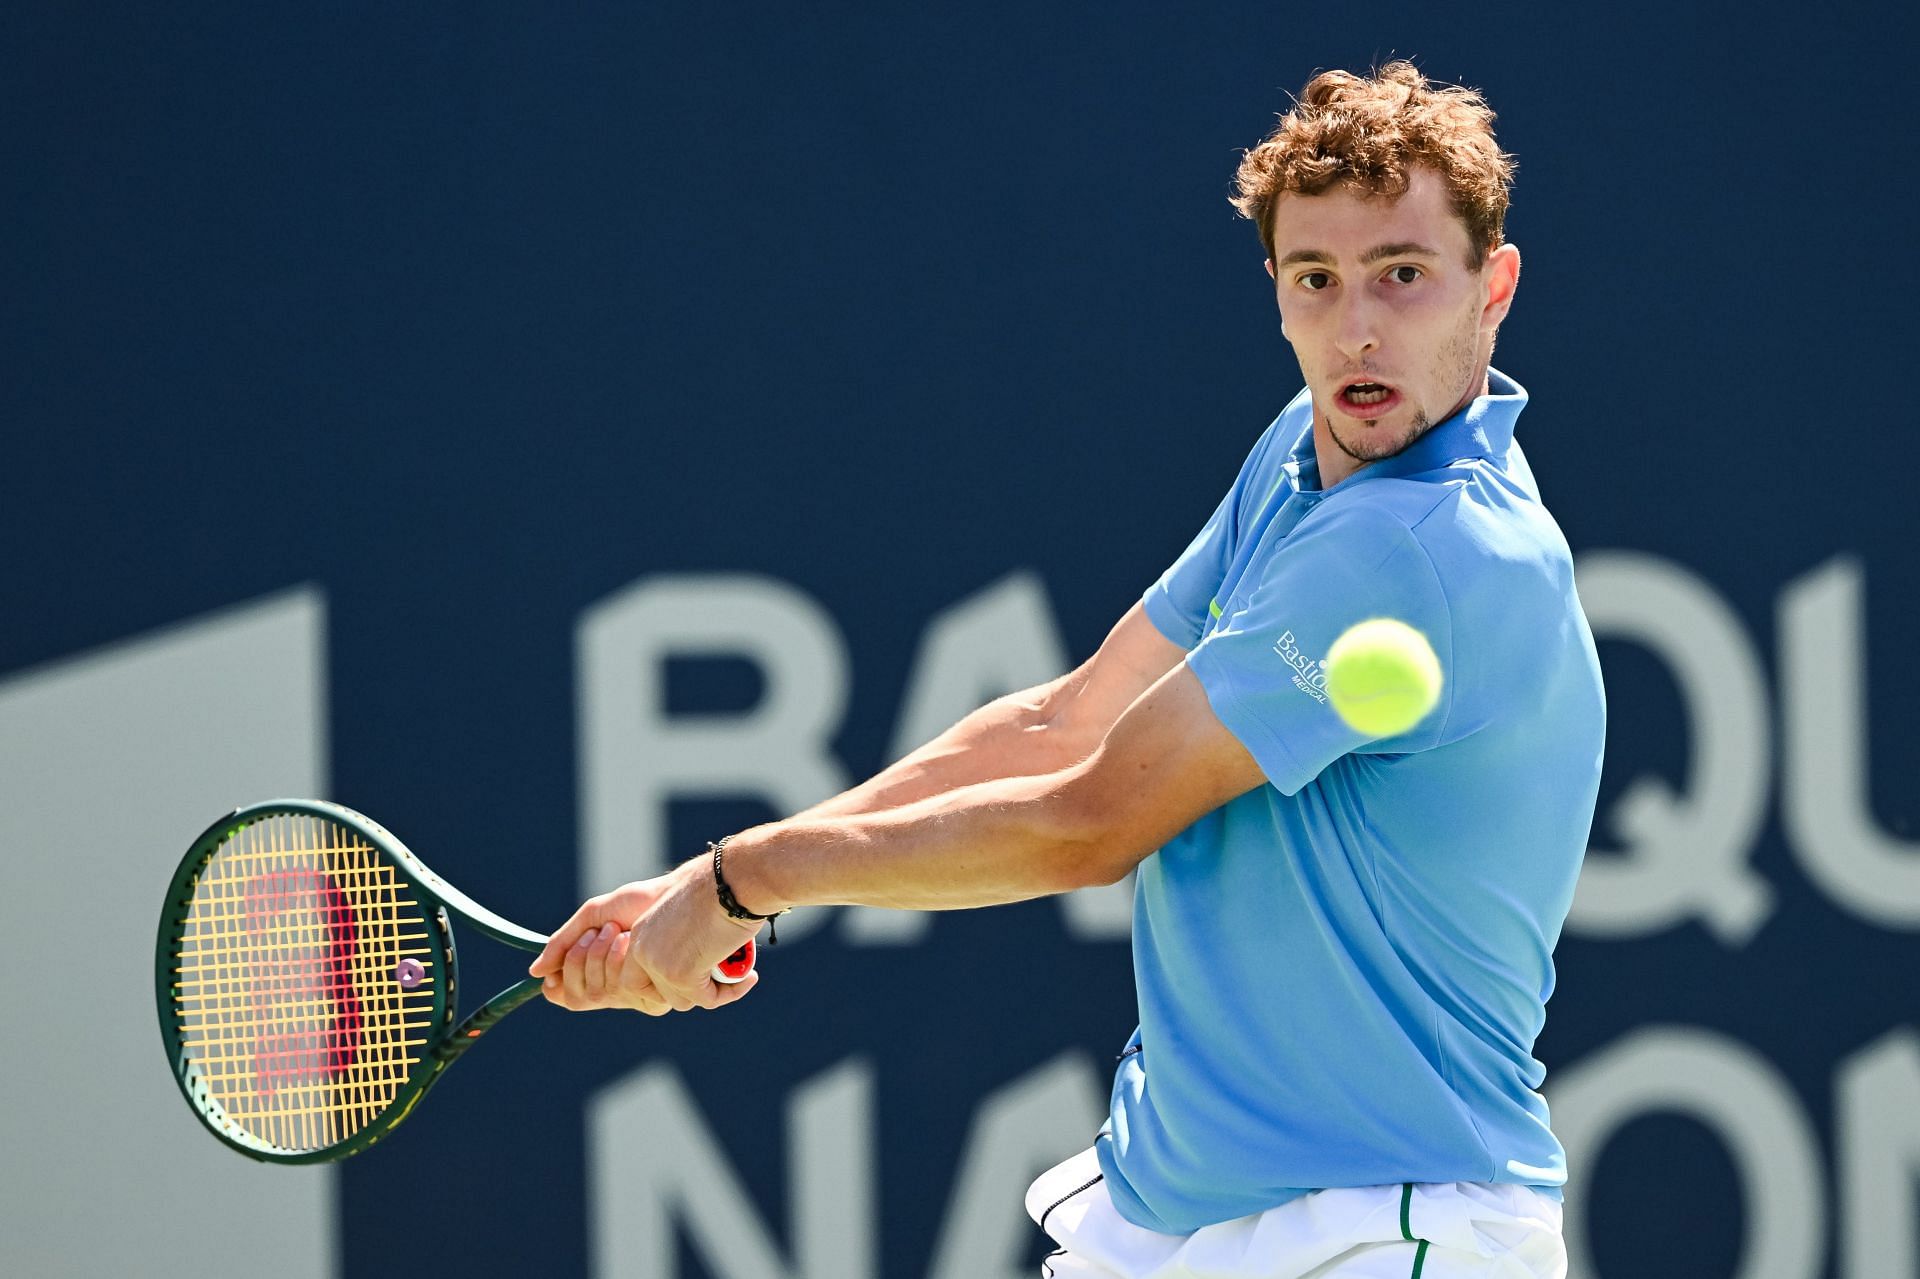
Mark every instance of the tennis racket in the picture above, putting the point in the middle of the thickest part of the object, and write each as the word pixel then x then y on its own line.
pixel 305 977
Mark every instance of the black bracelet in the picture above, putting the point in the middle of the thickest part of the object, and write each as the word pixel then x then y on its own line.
pixel 730 903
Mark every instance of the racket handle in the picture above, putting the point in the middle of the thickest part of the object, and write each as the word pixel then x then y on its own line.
pixel 733 970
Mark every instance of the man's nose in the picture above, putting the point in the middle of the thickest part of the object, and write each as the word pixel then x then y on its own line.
pixel 1355 331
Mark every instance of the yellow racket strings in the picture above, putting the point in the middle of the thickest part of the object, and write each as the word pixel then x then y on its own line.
pixel 304 983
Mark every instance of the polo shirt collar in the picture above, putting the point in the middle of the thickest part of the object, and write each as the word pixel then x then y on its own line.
pixel 1484 428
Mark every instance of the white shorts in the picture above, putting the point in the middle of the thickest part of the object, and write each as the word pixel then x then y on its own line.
pixel 1442 1231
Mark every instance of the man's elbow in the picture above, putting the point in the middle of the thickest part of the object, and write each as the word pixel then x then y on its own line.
pixel 1107 868
pixel 1089 832
pixel 1080 866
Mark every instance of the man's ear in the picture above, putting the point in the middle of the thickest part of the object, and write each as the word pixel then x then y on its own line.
pixel 1283 317
pixel 1502 277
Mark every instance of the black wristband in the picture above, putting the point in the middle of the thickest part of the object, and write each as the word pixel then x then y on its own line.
pixel 730 903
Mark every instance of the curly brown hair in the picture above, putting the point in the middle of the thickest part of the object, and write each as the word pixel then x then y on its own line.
pixel 1368 132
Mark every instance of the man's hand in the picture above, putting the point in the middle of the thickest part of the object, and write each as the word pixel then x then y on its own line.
pixel 650 946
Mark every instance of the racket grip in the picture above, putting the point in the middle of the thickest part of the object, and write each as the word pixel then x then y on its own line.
pixel 733 970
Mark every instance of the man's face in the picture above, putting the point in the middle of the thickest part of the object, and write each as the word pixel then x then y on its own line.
pixel 1393 331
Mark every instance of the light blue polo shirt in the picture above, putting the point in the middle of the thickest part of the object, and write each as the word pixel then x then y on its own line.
pixel 1342 973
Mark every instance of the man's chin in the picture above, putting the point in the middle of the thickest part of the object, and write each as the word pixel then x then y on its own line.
pixel 1372 441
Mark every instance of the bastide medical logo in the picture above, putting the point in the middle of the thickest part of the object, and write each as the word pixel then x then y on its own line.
pixel 1309 673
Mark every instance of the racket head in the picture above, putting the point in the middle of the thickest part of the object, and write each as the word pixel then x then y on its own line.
pixel 304 980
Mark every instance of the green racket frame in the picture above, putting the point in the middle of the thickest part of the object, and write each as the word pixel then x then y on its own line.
pixel 446 1041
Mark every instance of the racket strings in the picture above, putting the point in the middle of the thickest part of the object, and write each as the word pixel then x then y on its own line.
pixel 304 983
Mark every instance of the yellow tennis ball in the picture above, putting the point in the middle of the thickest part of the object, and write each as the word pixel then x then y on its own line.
pixel 1383 677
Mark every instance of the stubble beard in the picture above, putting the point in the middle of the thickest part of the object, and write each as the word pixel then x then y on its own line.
pixel 1456 362
pixel 1374 448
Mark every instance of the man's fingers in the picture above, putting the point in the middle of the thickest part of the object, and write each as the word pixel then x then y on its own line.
pixel 555 988
pixel 620 908
pixel 617 975
pixel 553 956
pixel 625 949
pixel 593 969
pixel 573 973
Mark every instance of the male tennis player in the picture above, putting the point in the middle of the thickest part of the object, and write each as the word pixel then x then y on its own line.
pixel 1342 946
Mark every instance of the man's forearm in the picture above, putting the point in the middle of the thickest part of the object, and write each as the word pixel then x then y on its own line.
pixel 980 845
pixel 1020 735
pixel 1036 733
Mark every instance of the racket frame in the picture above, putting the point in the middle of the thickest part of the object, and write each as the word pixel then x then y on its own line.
pixel 445 1042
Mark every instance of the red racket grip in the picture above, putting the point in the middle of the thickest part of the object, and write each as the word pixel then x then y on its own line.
pixel 733 970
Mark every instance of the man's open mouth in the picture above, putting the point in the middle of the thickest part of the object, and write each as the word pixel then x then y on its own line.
pixel 1365 393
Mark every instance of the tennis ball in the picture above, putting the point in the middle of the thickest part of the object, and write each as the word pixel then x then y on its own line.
pixel 1382 676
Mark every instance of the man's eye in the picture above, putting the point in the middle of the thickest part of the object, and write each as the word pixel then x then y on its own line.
pixel 1404 274
pixel 1314 281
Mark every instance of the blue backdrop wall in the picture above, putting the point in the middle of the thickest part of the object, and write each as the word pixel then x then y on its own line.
pixel 661 414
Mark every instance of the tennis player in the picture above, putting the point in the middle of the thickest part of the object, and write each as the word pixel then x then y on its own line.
pixel 1343 946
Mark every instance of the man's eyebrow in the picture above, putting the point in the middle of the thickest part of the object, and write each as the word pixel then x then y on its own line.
pixel 1402 249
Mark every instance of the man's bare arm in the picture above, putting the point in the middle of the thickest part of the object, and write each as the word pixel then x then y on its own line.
pixel 1027 734
pixel 1165 763
pixel 651 945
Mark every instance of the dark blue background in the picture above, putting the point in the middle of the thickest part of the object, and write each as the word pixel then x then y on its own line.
pixel 472 314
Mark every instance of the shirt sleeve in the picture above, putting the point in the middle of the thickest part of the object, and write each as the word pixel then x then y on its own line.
pixel 1180 604
pixel 1263 668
